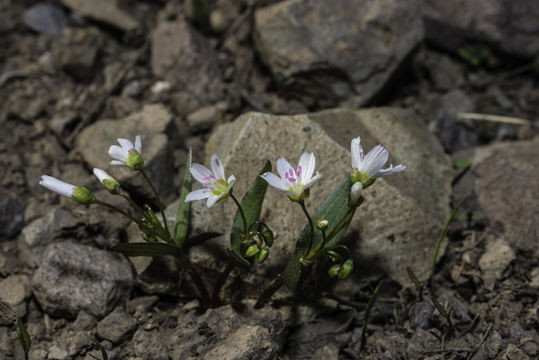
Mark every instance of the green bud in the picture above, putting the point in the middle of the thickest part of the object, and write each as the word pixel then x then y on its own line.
pixel 355 194
pixel 252 250
pixel 346 269
pixel 134 160
pixel 334 270
pixel 267 234
pixel 82 195
pixel 263 255
pixel 111 184
pixel 302 196
pixel 321 224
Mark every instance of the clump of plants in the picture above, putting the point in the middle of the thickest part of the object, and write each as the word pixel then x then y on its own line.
pixel 251 238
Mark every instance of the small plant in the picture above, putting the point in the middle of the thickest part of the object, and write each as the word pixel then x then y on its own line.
pixel 250 237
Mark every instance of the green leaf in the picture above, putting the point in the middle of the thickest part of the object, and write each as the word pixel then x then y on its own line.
pixel 333 209
pixel 463 164
pixel 442 236
pixel 147 249
pixel 252 205
pixel 24 338
pixel 183 216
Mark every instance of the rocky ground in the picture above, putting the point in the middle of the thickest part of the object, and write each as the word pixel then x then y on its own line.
pixel 75 74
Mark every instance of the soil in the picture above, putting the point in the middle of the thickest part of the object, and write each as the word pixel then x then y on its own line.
pixel 489 319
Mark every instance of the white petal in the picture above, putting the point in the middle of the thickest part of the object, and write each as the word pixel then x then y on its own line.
pixel 391 170
pixel 118 153
pixel 138 144
pixel 56 185
pixel 126 144
pixel 213 199
pixel 275 181
pixel 231 181
pixel 307 163
pixel 198 195
pixel 101 175
pixel 312 180
pixel 355 150
pixel 283 167
pixel 201 173
pixel 374 161
pixel 217 167
pixel 116 162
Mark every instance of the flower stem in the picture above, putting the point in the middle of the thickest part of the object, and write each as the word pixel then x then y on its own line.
pixel 197 280
pixel 126 196
pixel 216 301
pixel 268 293
pixel 159 203
pixel 240 208
pixel 117 209
pixel 311 225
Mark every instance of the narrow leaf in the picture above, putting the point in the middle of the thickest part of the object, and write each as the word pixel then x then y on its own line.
pixel 147 249
pixel 336 211
pixel 24 338
pixel 183 216
pixel 252 205
pixel 442 235
pixel 414 279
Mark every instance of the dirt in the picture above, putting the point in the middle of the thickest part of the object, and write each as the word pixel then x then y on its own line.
pixel 46 103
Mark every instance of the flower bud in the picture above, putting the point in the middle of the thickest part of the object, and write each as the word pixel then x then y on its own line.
pixel 346 269
pixel 263 255
pixel 252 250
pixel 82 195
pixel 355 194
pixel 321 224
pixel 110 183
pixel 298 198
pixel 334 270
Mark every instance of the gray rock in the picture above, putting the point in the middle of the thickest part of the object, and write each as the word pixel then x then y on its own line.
pixel 509 25
pixel 225 334
pixel 355 45
pixel 57 353
pixel 45 18
pixel 116 326
pixel 11 215
pixel 43 231
pixel 204 118
pixel 401 217
pixel 106 11
pixel 149 345
pixel 422 315
pixel 503 174
pixel 14 290
pixel 497 256
pixel 454 134
pixel 460 313
pixel 152 123
pixel 184 58
pixel 74 278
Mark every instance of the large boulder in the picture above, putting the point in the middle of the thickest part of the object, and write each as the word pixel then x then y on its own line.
pixel 401 218
pixel 74 278
pixel 353 45
pixel 509 25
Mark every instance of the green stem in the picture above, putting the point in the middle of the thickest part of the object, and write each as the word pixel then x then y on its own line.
pixel 311 225
pixel 159 203
pixel 240 208
pixel 131 201
pixel 124 213
pixel 342 222
pixel 197 280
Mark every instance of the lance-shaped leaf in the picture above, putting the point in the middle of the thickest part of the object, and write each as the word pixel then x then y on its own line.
pixel 337 212
pixel 24 338
pixel 252 205
pixel 147 249
pixel 183 215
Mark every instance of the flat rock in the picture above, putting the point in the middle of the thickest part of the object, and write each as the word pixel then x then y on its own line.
pixel 354 45
pixel 106 11
pixel 41 232
pixel 227 334
pixel 507 193
pixel 184 58
pixel 152 123
pixel 508 25
pixel 45 18
pixel 497 256
pixel 116 326
pixel 401 218
pixel 14 289
pixel 74 278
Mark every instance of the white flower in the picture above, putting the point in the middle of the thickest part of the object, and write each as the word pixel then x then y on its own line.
pixel 108 181
pixel 366 168
pixel 214 183
pixel 293 182
pixel 127 154
pixel 79 194
pixel 355 193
